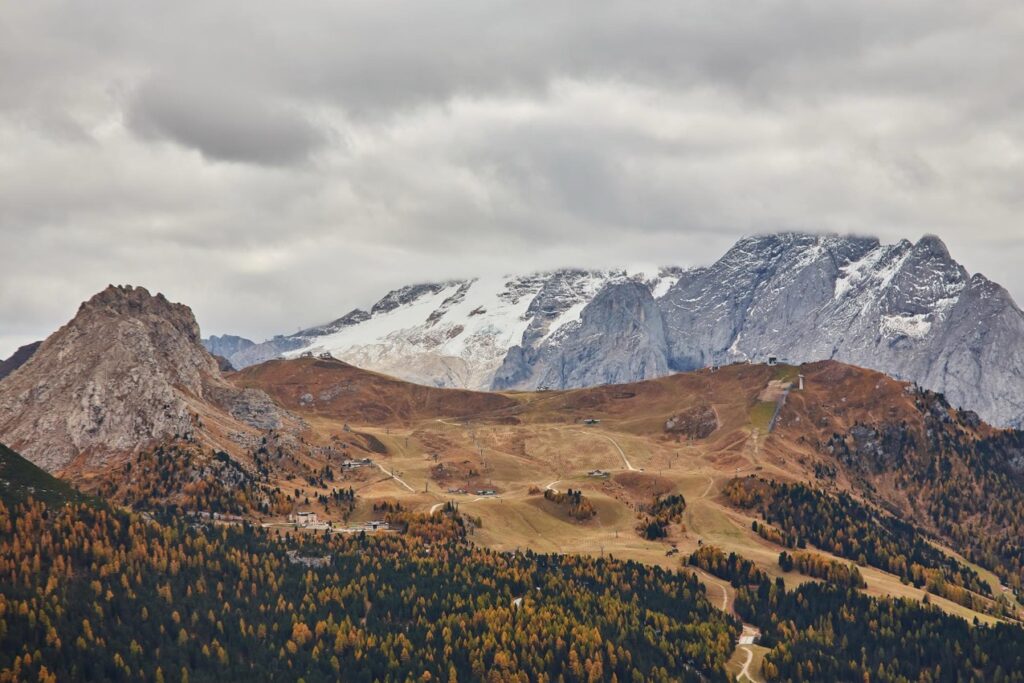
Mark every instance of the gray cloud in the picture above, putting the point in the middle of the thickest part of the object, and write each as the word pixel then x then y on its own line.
pixel 221 123
pixel 371 144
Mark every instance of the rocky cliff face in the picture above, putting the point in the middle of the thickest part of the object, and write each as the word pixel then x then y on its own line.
pixel 128 370
pixel 620 337
pixel 906 309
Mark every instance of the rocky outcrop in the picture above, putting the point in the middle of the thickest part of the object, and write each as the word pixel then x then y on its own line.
pixel 264 351
pixel 128 370
pixel 697 422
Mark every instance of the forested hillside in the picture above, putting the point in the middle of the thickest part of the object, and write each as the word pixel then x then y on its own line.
pixel 821 632
pixel 797 514
pixel 99 594
pixel 20 479
pixel 950 473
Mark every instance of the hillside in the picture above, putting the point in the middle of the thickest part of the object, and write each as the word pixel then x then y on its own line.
pixel 333 388
pixel 687 433
pixel 168 611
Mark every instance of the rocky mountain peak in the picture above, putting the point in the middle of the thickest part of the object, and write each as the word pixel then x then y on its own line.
pixel 128 369
pixel 227 345
pixel 129 301
pixel 933 246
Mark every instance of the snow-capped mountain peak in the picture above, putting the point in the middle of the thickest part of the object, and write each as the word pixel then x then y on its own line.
pixel 906 308
pixel 455 333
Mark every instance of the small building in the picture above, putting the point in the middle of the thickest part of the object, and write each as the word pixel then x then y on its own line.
pixel 356 464
pixel 378 525
pixel 597 473
pixel 306 354
pixel 773 360
pixel 304 518
pixel 750 635
pixel 325 356
pixel 486 492
pixel 591 421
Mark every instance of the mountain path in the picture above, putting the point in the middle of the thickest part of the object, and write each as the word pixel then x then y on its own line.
pixel 745 671
pixel 392 475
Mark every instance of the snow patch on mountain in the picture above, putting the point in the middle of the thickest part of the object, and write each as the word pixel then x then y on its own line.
pixel 571 314
pixel 910 326
pixel 856 272
pixel 662 285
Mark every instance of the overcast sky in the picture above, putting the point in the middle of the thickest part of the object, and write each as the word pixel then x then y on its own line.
pixel 274 164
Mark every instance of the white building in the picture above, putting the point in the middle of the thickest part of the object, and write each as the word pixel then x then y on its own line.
pixel 304 518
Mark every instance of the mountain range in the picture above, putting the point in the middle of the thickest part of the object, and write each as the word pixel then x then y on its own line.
pixel 125 402
pixel 906 309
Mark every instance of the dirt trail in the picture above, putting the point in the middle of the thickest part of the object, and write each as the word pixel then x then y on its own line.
pixel 711 483
pixel 725 594
pixel 755 436
pixel 393 476
pixel 745 671
pixel 622 454
pixel 629 465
